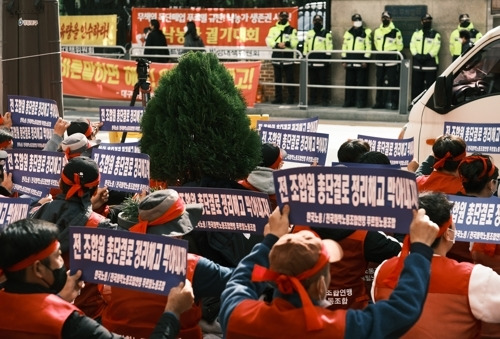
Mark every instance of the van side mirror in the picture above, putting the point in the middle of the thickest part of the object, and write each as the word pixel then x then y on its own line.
pixel 442 92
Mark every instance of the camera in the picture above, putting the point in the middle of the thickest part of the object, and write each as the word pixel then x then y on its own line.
pixel 142 69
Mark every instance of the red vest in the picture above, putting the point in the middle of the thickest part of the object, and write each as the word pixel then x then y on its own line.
pixel 35 315
pixel 440 182
pixel 446 312
pixel 280 319
pixel 135 314
pixel 347 287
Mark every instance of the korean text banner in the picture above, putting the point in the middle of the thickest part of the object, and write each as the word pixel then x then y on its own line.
pixel 399 151
pixel 484 138
pixel 476 219
pixel 33 120
pixel 121 118
pixel 88 30
pixel 34 172
pixel 303 147
pixel 216 26
pixel 123 171
pixel 130 147
pixel 302 125
pixel 114 79
pixel 143 262
pixel 228 210
pixel 370 198
pixel 13 209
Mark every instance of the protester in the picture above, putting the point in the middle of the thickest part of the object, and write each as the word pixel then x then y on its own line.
pixel 132 313
pixel 352 149
pixel 37 295
pixel 356 39
pixel 261 178
pixel 76 145
pixel 73 207
pixel 318 39
pixel 460 296
pixel 455 40
pixel 156 38
pixel 282 36
pixel 298 264
pixel 424 46
pixel 84 126
pixel 387 38
pixel 466 40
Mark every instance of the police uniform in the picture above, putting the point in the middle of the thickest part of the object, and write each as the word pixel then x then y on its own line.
pixel 356 73
pixel 283 33
pixel 456 42
pixel 387 38
pixel 424 46
pixel 318 39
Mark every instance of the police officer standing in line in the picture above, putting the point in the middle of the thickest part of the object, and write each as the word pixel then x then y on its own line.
pixel 283 36
pixel 357 38
pixel 424 46
pixel 387 38
pixel 456 41
pixel 318 39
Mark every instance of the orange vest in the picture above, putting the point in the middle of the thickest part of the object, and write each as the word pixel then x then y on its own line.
pixel 440 182
pixel 446 312
pixel 280 319
pixel 347 287
pixel 34 315
pixel 135 314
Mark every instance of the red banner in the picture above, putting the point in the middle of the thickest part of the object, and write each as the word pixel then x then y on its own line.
pixel 114 79
pixel 216 26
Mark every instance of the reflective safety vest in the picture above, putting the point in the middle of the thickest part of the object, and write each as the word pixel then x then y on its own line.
pixel 387 39
pixel 456 42
pixel 425 43
pixel 282 33
pixel 357 39
pixel 321 41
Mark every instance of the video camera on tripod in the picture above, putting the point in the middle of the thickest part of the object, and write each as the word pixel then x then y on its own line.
pixel 142 69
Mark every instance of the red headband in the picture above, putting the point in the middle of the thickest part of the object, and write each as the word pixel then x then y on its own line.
pixel 393 277
pixel 89 131
pixel 473 158
pixel 172 213
pixel 440 163
pixel 70 155
pixel 277 162
pixel 76 187
pixel 54 245
pixel 287 284
pixel 5 144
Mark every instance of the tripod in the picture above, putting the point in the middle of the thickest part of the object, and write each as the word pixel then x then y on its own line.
pixel 142 85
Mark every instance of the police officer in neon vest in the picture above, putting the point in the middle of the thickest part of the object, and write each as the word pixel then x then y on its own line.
pixel 456 41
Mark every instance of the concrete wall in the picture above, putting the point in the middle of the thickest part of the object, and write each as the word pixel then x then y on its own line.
pixel 445 19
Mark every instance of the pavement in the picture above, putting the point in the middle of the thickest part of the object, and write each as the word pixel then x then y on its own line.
pixel 75 106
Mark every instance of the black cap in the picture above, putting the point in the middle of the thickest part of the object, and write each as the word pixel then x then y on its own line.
pixel 283 13
pixel 318 17
pixel 463 17
pixel 356 17
pixel 386 14
pixel 427 16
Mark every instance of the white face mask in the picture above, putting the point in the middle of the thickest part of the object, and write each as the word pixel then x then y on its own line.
pixel 357 23
pixel 185 29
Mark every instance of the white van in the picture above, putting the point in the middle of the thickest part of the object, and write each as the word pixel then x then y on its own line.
pixel 464 101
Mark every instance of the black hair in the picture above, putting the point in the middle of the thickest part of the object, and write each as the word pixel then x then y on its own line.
pixel 464 33
pixel 21 239
pixel 473 174
pixel 352 149
pixel 449 143
pixel 374 157
pixel 437 207
pixel 155 23
pixel 191 30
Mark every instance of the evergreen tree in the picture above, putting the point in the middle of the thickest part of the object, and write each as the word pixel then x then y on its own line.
pixel 196 124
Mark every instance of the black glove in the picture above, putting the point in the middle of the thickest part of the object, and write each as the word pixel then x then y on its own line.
pixel 419 58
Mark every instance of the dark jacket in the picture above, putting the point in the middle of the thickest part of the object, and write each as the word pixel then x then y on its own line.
pixel 156 38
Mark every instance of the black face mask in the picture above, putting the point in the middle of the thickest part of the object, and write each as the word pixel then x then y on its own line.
pixel 283 21
pixel 318 26
pixel 465 24
pixel 427 25
pixel 60 278
pixel 386 22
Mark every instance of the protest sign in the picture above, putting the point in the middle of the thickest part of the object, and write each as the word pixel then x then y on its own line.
pixel 121 118
pixel 302 125
pixel 399 151
pixel 228 210
pixel 482 138
pixel 364 197
pixel 143 262
pixel 303 147
pixel 128 147
pixel 13 209
pixel 123 171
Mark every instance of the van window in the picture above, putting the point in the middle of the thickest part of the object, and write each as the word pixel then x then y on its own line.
pixel 480 76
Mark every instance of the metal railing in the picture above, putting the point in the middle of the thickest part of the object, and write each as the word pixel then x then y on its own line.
pixel 265 54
